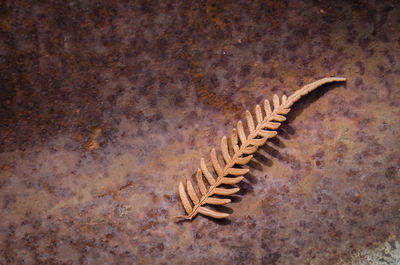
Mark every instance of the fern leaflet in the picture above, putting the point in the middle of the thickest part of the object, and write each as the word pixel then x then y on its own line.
pixel 242 147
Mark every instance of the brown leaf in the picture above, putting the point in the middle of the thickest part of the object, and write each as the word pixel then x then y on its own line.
pixel 265 128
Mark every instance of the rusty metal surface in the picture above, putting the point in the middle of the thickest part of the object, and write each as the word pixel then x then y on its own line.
pixel 105 107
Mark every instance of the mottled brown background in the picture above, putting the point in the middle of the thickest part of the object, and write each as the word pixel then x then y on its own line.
pixel 106 106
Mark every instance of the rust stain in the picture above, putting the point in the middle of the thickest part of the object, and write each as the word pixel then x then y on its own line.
pixel 98 122
pixel 115 193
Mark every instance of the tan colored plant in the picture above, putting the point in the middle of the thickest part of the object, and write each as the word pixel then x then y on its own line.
pixel 241 149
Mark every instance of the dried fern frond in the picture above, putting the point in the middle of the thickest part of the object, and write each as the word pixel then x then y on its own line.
pixel 242 147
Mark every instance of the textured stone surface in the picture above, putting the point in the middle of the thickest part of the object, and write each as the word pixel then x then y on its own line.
pixel 105 107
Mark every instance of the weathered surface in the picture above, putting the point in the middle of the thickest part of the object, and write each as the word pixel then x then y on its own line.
pixel 106 107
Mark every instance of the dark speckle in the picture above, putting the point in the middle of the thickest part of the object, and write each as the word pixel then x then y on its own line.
pixel 391 173
pixel 243 254
pixel 112 99
pixel 319 159
pixel 270 74
pixel 213 82
pixel 8 201
pixel 364 42
pixel 270 258
pixel 390 58
pixel 380 187
pixel 352 34
pixel 244 70
pixel 363 123
pixel 340 152
pixel 361 67
pixel 358 82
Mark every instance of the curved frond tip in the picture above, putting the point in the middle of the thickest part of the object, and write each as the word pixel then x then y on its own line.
pixel 261 127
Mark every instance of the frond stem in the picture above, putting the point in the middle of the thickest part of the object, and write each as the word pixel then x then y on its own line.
pixel 291 99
